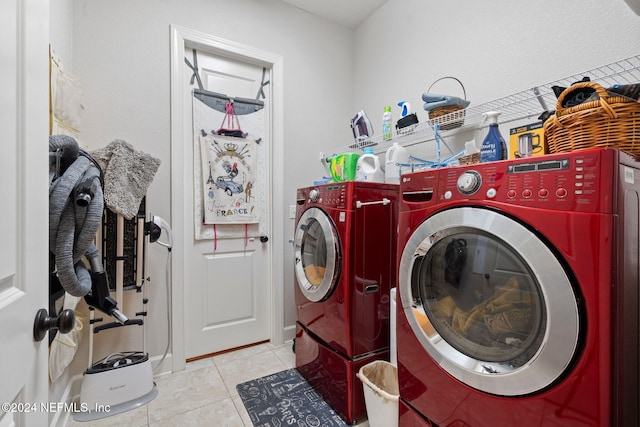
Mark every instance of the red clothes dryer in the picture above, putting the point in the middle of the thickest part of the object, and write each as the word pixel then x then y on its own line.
pixel 518 293
pixel 345 242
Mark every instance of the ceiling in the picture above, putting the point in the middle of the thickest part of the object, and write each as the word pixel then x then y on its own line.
pixel 348 13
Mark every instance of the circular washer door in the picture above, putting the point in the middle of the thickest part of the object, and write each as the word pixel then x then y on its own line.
pixel 317 255
pixel 489 301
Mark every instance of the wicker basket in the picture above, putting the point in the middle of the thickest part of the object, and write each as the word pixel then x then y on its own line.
pixel 450 116
pixel 611 121
pixel 469 159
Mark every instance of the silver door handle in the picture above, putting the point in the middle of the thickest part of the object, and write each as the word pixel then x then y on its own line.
pixel 384 202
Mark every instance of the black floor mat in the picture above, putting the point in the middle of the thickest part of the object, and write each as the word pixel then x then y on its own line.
pixel 286 398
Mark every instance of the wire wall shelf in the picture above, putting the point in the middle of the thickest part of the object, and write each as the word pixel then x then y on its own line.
pixel 528 104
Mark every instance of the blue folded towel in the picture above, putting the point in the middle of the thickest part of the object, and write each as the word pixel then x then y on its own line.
pixel 432 100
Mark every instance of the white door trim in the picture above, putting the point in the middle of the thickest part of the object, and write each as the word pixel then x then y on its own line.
pixel 181 134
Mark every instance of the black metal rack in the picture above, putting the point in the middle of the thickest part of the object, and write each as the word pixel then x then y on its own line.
pixel 123 249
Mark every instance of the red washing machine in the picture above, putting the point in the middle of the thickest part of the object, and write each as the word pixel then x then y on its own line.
pixel 518 293
pixel 345 264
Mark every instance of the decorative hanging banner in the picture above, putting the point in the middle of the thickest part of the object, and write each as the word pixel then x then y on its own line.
pixel 210 111
pixel 228 179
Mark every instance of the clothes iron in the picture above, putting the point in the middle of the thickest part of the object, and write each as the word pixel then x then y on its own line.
pixel 361 127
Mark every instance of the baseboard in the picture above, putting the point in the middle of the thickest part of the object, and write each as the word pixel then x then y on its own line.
pixel 289 333
pixel 163 370
pixel 71 393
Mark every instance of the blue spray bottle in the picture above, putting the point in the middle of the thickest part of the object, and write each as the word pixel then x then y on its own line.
pixel 493 146
pixel 406 108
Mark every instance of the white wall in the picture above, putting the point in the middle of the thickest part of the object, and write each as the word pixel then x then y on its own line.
pixel 61 29
pixel 496 48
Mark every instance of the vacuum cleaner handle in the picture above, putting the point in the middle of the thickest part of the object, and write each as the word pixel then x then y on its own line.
pixel 100 299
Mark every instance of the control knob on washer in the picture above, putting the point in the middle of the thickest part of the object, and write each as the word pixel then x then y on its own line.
pixel 469 182
pixel 313 195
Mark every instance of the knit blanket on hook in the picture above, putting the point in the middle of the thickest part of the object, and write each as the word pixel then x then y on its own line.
pixel 128 173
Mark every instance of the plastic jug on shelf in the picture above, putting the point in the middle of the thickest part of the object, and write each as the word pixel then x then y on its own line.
pixel 395 155
pixel 368 167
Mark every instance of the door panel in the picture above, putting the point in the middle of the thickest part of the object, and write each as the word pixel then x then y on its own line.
pixel 228 286
pixel 230 298
pixel 24 225
pixel 229 77
pixel 224 271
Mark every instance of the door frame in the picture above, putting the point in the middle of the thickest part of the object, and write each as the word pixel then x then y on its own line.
pixel 181 36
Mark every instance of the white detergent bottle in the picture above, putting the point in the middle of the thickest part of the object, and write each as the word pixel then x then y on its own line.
pixel 395 155
pixel 368 167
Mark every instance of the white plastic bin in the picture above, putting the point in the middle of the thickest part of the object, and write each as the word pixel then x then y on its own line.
pixel 381 393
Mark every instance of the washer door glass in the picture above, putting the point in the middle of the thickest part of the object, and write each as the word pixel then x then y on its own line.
pixel 317 255
pixel 489 301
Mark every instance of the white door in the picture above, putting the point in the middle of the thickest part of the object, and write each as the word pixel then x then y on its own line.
pixel 227 287
pixel 24 26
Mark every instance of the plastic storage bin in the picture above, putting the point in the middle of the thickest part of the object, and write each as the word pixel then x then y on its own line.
pixel 381 393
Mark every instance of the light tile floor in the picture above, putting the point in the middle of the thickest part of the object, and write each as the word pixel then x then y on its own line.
pixel 204 394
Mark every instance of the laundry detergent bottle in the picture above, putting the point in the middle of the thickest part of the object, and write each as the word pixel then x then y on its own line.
pixel 394 157
pixel 368 167
pixel 342 167
pixel 493 146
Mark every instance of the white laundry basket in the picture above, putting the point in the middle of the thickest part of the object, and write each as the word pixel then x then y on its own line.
pixel 381 393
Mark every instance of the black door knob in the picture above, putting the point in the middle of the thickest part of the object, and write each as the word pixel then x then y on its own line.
pixel 264 239
pixel 43 322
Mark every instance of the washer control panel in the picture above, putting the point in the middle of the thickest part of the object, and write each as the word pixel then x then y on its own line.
pixel 560 180
pixel 577 181
pixel 330 195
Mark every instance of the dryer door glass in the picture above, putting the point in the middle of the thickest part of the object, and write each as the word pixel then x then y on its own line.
pixel 489 301
pixel 317 257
